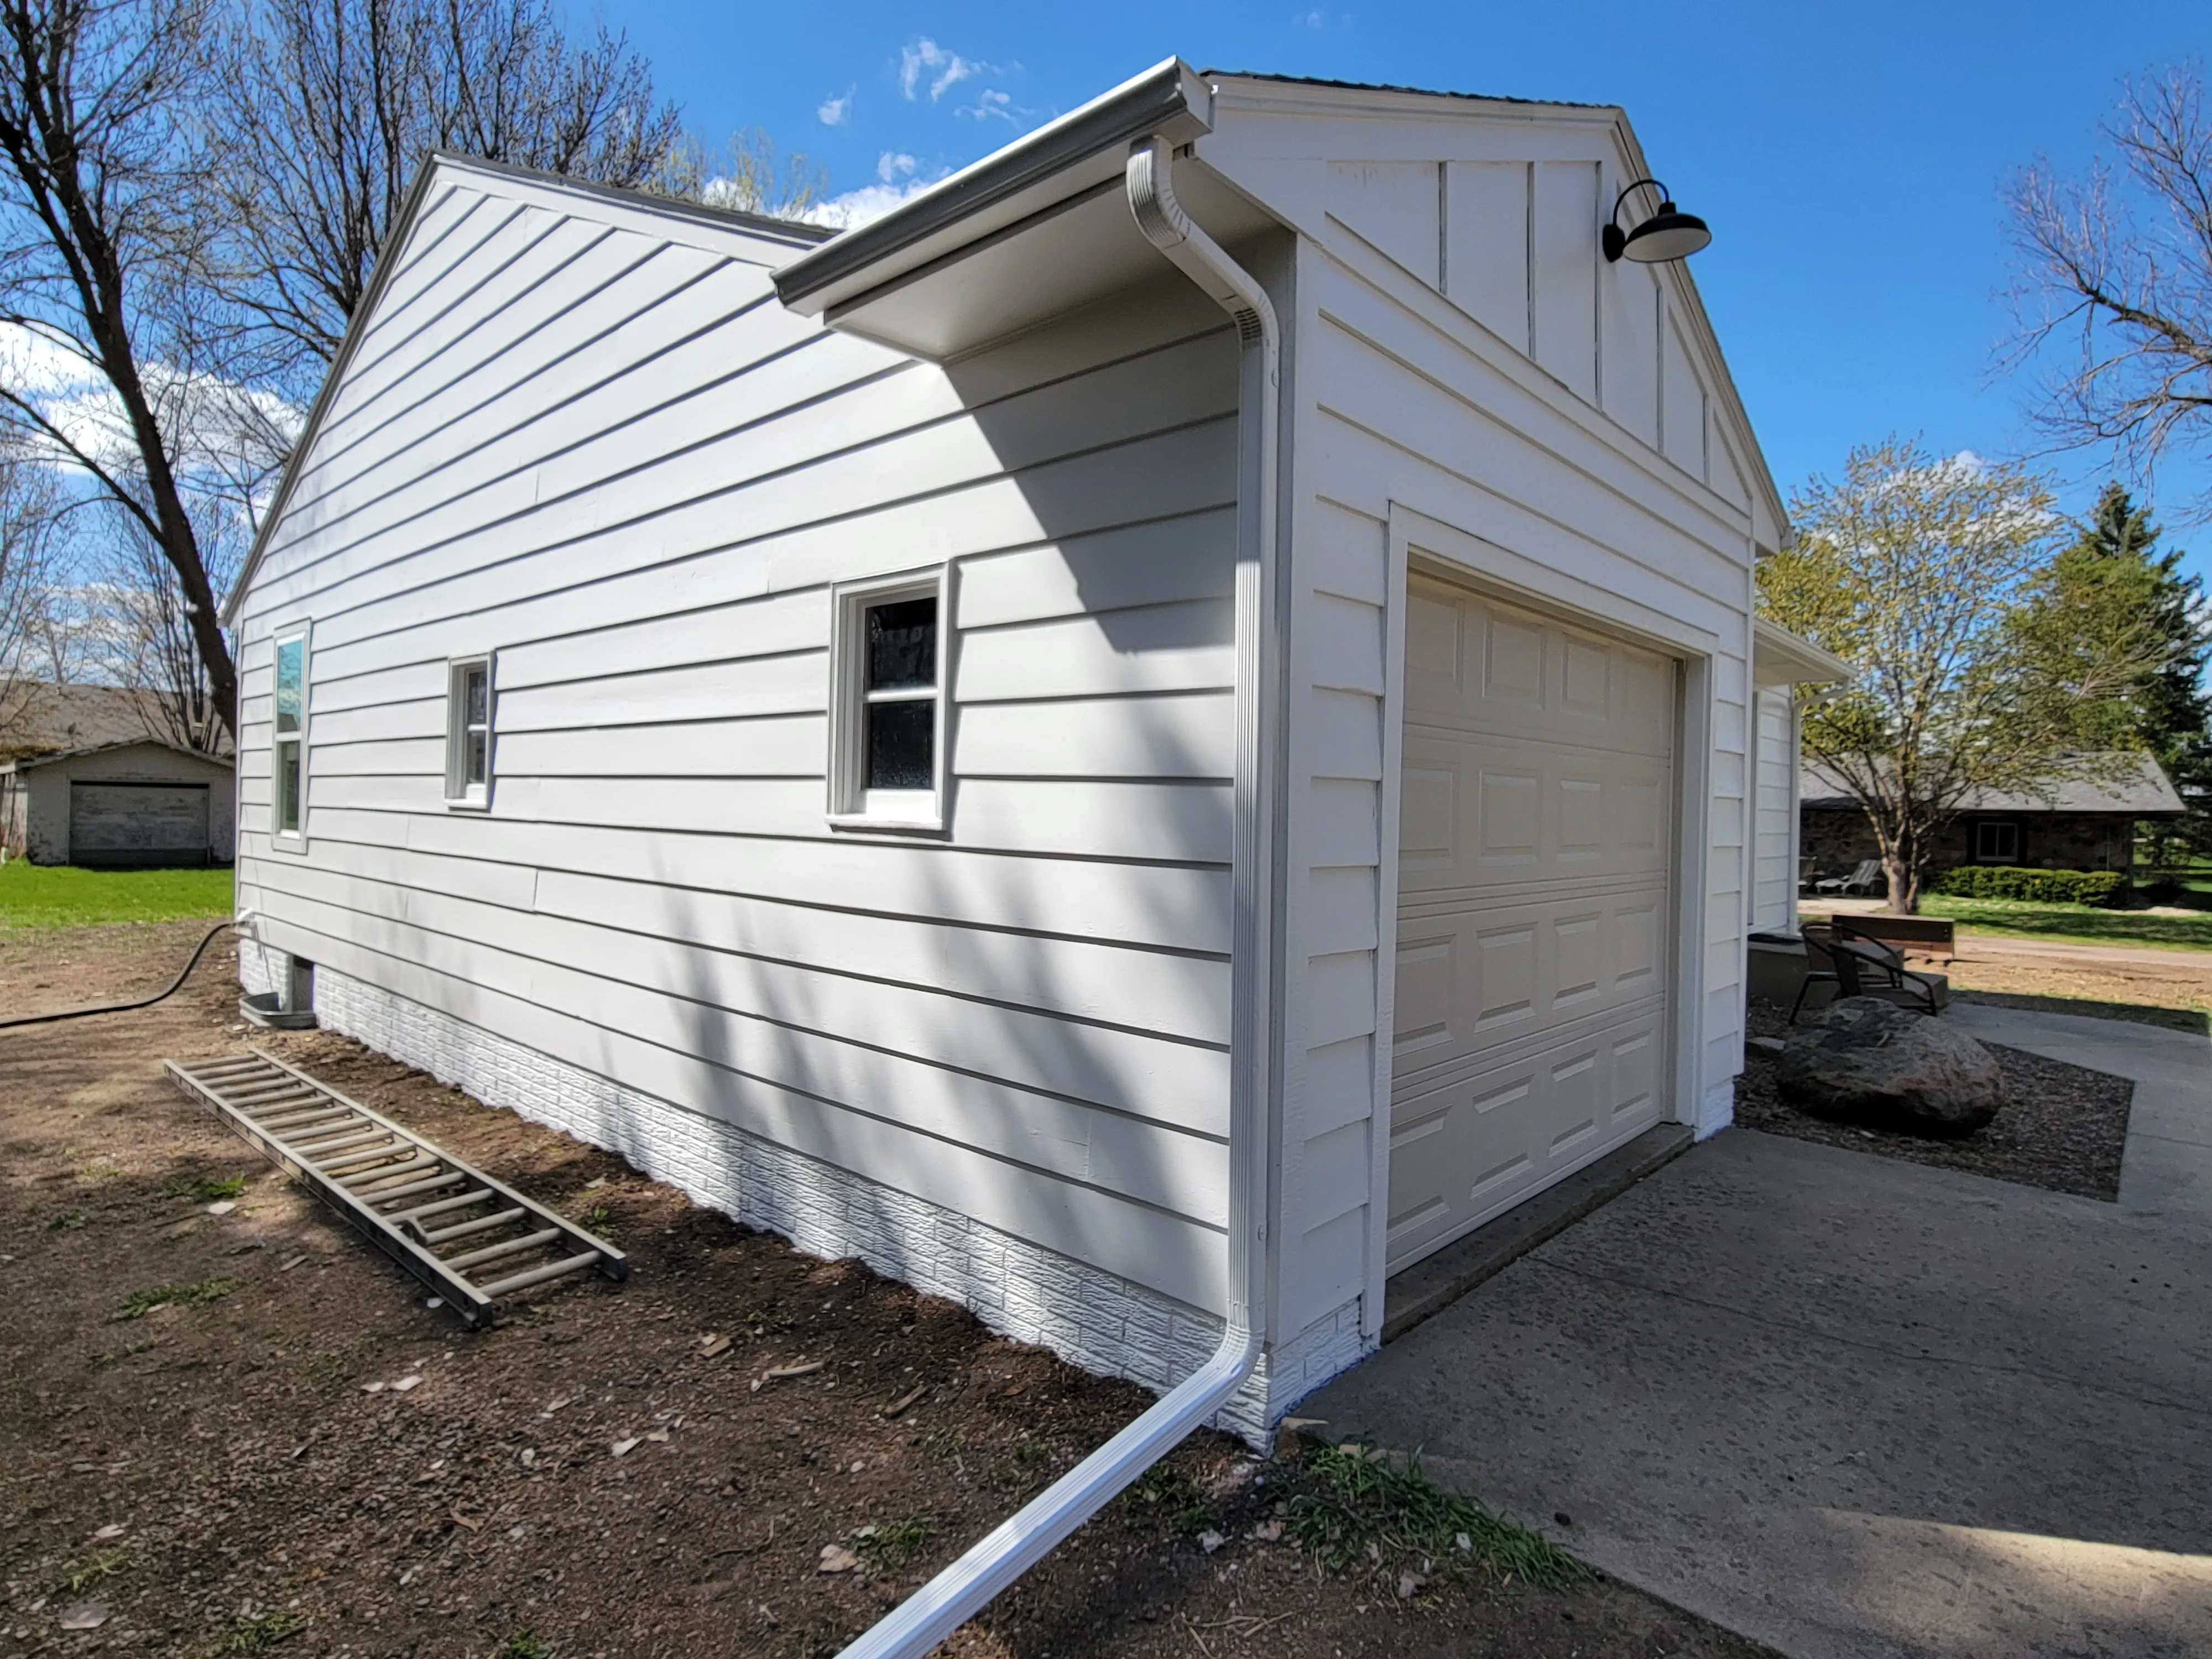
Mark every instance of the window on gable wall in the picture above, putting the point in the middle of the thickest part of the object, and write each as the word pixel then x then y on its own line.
pixel 887 719
pixel 468 731
pixel 288 790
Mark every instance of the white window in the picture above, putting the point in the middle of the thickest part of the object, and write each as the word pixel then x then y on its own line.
pixel 1996 843
pixel 887 670
pixel 468 731
pixel 288 756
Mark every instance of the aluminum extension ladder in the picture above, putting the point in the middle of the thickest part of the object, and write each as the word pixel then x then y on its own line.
pixel 409 1197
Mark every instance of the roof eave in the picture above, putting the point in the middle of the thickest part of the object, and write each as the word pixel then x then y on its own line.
pixel 1169 98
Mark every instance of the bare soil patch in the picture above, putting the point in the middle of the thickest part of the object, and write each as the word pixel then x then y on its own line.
pixel 195 1453
pixel 2062 1128
pixel 2152 993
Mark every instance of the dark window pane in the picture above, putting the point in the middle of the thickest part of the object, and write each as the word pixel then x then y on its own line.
pixel 902 742
pixel 477 700
pixel 902 644
pixel 478 742
pixel 288 785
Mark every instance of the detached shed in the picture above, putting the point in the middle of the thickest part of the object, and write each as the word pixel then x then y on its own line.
pixel 119 805
pixel 1142 742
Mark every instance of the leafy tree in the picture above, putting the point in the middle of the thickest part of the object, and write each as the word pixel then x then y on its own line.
pixel 1934 579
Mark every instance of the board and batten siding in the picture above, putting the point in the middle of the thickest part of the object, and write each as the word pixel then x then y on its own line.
pixel 1474 389
pixel 594 446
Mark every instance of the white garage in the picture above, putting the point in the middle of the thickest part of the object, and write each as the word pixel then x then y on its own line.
pixel 1533 850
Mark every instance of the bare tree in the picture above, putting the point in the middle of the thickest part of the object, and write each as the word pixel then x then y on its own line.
pixel 2116 278
pixel 33 529
pixel 106 368
pixel 137 640
pixel 329 106
pixel 1934 579
pixel 748 173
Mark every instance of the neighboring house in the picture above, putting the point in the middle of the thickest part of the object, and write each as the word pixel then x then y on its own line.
pixel 2080 818
pixel 933 740
pixel 116 806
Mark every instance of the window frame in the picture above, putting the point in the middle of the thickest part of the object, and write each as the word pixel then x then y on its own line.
pixel 461 795
pixel 294 840
pixel 1983 825
pixel 852 805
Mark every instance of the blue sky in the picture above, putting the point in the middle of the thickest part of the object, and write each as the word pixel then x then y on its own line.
pixel 1849 156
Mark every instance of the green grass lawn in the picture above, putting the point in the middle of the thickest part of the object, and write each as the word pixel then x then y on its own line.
pixel 2076 924
pixel 60 896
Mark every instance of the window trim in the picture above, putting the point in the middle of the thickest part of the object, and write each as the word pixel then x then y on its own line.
pixel 849 805
pixel 1982 825
pixel 294 840
pixel 460 795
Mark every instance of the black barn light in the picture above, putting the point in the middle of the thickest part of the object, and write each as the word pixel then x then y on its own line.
pixel 1668 234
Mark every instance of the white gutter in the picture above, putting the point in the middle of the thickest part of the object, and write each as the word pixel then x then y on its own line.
pixel 963 1588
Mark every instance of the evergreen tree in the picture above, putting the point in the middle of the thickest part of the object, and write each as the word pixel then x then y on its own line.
pixel 2114 579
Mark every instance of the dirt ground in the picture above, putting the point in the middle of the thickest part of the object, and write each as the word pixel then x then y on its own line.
pixel 2125 990
pixel 245 1432
pixel 2062 1127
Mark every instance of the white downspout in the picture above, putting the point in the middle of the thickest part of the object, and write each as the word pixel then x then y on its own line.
pixel 963 1588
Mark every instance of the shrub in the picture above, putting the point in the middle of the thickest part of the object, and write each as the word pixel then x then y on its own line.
pixel 2005 881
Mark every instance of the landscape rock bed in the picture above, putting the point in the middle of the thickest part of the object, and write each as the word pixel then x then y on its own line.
pixel 244 1432
pixel 2063 1126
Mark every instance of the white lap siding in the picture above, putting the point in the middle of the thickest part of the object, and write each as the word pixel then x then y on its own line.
pixel 1774 832
pixel 609 457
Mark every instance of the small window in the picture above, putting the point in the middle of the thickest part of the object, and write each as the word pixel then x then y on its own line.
pixel 1996 843
pixel 887 721
pixel 468 732
pixel 288 741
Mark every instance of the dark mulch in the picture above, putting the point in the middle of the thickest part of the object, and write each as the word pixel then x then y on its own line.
pixel 2063 1126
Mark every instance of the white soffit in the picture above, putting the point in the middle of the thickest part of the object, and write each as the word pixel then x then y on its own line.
pixel 1780 658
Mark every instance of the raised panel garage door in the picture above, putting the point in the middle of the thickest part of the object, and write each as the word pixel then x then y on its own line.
pixel 122 823
pixel 1533 850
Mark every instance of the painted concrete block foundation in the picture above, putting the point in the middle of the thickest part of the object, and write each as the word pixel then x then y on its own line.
pixel 1095 1320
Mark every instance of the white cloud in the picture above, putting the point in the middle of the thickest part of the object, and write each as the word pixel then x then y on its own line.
pixel 1312 20
pixel 991 102
pixel 210 421
pixel 836 111
pixel 857 207
pixel 894 165
pixel 926 60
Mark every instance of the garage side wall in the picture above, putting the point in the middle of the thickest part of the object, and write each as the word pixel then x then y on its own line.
pixel 993 1061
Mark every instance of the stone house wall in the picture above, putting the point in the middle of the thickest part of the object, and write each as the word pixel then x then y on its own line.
pixel 1836 841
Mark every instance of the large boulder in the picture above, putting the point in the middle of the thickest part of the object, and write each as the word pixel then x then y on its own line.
pixel 1870 1062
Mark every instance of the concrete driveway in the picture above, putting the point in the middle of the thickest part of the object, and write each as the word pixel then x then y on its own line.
pixel 1854 1406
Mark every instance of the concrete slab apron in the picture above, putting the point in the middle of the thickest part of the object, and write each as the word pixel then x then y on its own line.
pixel 1845 1405
pixel 2167 1167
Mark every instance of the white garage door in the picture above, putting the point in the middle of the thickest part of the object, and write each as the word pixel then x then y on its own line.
pixel 114 823
pixel 1534 847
